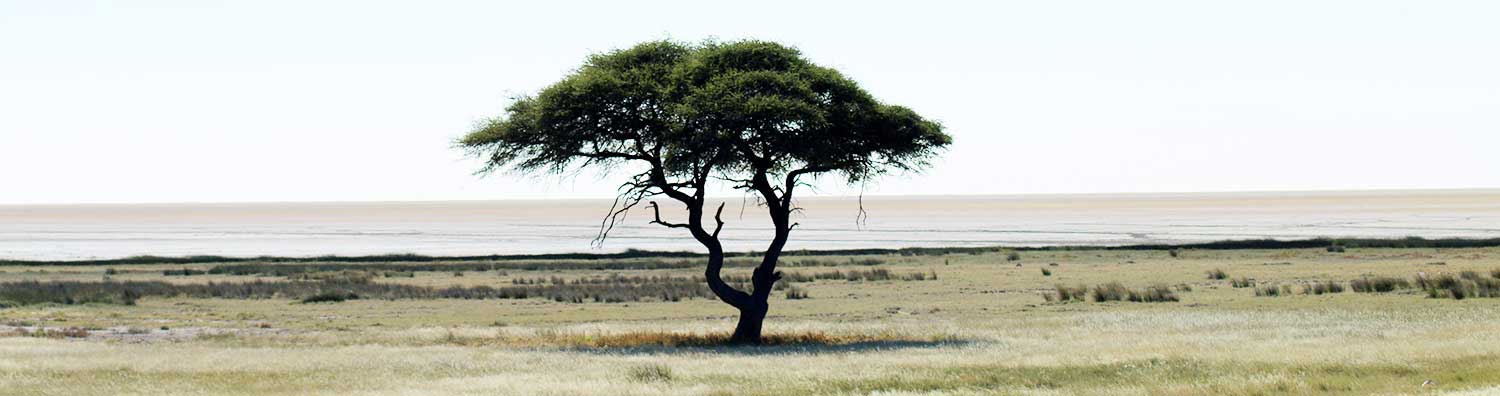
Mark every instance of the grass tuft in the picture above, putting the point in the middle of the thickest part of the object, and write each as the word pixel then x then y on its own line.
pixel 1217 274
pixel 1467 285
pixel 1114 291
pixel 1066 294
pixel 1320 288
pixel 1379 284
pixel 1273 291
pixel 650 373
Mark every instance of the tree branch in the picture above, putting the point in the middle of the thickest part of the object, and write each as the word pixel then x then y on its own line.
pixel 657 210
pixel 719 218
pixel 608 155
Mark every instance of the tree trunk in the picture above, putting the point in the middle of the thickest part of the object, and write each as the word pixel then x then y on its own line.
pixel 752 316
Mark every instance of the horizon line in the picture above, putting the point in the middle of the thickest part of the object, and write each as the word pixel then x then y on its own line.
pixel 816 197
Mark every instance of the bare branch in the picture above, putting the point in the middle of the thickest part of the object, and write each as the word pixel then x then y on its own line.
pixel 657 210
pixel 609 155
pixel 861 219
pixel 719 218
pixel 631 194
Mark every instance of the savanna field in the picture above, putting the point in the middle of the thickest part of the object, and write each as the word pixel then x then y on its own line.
pixel 1240 322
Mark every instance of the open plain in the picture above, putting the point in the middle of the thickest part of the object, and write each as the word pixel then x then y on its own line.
pixel 989 323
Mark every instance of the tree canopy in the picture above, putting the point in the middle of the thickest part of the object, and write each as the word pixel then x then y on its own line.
pixel 729 108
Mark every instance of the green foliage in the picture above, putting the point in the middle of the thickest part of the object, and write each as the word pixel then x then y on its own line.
pixel 735 108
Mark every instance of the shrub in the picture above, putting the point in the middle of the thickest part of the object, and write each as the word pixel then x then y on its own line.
pixel 111 271
pixel 1272 291
pixel 878 274
pixel 1217 274
pixel 1174 252
pixel 1066 294
pixel 1336 249
pixel 1467 285
pixel 1495 274
pixel 1046 272
pixel 182 272
pixel 650 373
pixel 1013 256
pixel 1153 293
pixel 1325 287
pixel 1112 291
pixel 1378 284
pixel 347 276
pixel 331 296
pixel 796 293
pixel 1242 282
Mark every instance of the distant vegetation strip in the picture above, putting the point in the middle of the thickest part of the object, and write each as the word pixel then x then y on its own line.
pixel 1408 242
pixel 126 293
pixel 284 269
pixel 353 285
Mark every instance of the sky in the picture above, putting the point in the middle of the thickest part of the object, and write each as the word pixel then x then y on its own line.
pixel 234 101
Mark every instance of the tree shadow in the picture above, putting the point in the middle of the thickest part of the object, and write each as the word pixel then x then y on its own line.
pixel 809 348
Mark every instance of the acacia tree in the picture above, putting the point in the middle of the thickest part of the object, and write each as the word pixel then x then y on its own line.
pixel 678 117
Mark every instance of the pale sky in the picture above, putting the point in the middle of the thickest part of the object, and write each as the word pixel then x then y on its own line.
pixel 203 101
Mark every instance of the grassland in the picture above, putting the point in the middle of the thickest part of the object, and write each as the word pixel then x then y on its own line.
pixel 985 325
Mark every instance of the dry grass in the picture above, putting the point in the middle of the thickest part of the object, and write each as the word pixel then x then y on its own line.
pixel 978 330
